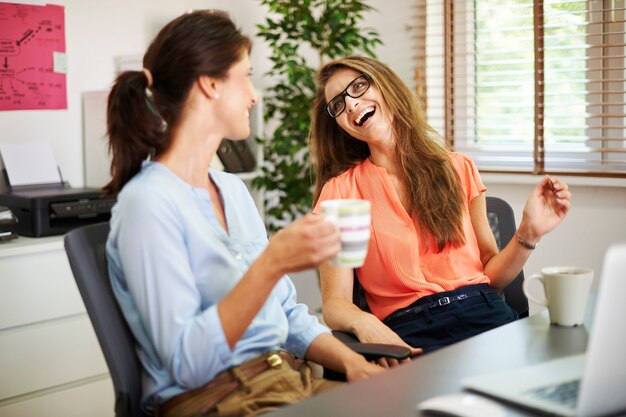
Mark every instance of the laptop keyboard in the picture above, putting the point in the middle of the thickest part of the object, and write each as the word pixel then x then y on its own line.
pixel 565 393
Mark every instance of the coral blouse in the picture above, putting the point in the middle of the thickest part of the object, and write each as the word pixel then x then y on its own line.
pixel 400 267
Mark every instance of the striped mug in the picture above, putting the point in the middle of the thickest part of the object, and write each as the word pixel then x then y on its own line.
pixel 352 217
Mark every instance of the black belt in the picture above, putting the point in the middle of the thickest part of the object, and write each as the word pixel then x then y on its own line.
pixel 422 305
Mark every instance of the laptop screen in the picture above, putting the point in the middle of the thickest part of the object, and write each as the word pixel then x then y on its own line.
pixel 601 371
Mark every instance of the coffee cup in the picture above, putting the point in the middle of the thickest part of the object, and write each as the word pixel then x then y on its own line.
pixel 352 218
pixel 566 291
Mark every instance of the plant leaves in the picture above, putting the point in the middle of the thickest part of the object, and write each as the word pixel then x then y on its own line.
pixel 332 29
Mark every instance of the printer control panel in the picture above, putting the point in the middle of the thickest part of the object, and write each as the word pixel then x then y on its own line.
pixel 81 208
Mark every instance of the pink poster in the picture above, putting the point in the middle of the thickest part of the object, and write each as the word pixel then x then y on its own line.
pixel 32 57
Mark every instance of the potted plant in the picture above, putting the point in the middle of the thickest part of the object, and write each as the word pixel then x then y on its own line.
pixel 327 29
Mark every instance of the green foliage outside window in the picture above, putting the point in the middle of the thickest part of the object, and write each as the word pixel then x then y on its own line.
pixel 504 72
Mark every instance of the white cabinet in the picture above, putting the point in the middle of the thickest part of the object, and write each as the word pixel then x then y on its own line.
pixel 50 360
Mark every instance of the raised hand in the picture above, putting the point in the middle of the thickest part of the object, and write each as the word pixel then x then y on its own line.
pixel 546 207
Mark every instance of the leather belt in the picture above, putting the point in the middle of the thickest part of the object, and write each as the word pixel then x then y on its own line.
pixel 440 302
pixel 203 399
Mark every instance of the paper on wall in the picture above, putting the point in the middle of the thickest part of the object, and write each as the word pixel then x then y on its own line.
pixel 32 57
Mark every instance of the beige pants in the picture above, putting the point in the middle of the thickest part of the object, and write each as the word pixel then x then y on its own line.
pixel 271 389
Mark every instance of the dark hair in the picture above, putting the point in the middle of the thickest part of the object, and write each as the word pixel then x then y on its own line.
pixel 432 185
pixel 142 113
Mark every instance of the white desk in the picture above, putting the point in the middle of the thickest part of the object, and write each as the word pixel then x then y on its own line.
pixel 50 360
pixel 396 393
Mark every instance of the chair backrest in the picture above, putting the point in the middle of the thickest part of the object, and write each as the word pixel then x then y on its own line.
pixel 85 247
pixel 502 222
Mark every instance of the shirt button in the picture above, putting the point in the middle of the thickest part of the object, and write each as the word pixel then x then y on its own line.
pixel 238 256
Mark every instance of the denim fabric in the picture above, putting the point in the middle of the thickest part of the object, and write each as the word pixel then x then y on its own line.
pixel 434 328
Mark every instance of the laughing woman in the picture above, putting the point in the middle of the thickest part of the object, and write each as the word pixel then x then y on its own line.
pixel 430 234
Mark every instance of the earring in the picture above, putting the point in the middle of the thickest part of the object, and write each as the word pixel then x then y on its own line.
pixel 216 96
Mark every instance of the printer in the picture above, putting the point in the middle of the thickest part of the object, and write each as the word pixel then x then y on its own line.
pixel 44 204
pixel 55 210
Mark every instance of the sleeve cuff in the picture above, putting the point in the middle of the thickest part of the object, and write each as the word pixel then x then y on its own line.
pixel 299 345
pixel 223 351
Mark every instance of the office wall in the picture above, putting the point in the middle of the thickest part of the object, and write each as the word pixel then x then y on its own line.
pixel 96 33
pixel 99 31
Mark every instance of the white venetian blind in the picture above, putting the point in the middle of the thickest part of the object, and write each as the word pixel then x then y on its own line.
pixel 529 86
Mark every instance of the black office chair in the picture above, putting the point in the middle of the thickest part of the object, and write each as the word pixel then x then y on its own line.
pixel 502 221
pixel 85 249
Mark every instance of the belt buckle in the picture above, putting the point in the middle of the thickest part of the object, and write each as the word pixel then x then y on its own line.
pixel 274 360
pixel 443 301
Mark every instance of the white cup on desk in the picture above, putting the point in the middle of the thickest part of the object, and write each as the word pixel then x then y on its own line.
pixel 566 291
pixel 352 218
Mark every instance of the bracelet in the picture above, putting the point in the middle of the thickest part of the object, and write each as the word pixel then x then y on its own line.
pixel 525 244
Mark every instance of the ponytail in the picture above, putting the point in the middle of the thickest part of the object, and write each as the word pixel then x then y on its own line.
pixel 145 105
pixel 134 127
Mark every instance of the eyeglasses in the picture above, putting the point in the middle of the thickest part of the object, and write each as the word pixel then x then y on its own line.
pixel 355 89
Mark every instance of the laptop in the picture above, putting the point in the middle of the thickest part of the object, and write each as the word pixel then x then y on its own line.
pixel 587 385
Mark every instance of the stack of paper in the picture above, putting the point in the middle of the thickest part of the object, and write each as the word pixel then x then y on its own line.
pixel 30 164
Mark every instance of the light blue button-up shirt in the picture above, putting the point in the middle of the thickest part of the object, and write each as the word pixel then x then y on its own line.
pixel 171 262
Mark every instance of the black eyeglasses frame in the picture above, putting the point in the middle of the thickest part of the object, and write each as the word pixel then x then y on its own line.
pixel 345 93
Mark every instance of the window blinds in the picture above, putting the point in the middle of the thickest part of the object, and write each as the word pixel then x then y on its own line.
pixel 528 86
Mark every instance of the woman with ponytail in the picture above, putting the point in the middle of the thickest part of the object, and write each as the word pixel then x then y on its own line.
pixel 433 269
pixel 204 293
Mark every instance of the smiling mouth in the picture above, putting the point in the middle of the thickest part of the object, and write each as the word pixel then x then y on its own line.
pixel 364 116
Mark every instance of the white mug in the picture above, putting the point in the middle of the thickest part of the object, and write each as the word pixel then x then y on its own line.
pixel 566 291
pixel 353 219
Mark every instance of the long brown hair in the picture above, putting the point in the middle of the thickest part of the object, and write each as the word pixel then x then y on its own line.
pixel 432 184
pixel 144 107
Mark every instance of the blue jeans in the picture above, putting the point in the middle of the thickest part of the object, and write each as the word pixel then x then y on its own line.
pixel 435 321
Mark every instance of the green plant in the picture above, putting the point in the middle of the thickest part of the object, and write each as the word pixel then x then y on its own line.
pixel 327 29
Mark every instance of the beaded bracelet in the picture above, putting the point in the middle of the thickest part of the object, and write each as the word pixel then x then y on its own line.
pixel 526 244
